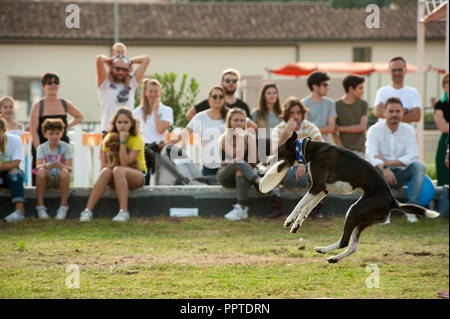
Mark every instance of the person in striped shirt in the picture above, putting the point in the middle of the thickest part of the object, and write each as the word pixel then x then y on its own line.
pixel 293 119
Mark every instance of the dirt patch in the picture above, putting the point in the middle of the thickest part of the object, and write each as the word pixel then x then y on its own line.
pixel 419 254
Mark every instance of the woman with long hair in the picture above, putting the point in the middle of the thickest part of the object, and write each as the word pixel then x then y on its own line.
pixel 7 108
pixel 125 176
pixel 266 115
pixel 154 119
pixel 239 154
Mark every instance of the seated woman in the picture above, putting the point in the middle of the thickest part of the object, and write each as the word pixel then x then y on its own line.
pixel 7 107
pixel 209 125
pixel 125 176
pixel 154 120
pixel 239 154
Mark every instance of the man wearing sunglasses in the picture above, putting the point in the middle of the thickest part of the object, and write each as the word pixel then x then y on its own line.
pixel 408 95
pixel 113 93
pixel 229 81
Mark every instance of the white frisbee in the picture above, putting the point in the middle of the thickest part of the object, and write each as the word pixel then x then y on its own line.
pixel 272 178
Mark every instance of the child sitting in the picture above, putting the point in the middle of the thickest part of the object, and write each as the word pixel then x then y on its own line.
pixel 10 175
pixel 54 165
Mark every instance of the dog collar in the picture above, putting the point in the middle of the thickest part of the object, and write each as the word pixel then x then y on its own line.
pixel 299 157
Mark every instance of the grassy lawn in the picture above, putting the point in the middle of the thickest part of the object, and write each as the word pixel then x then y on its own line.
pixel 215 258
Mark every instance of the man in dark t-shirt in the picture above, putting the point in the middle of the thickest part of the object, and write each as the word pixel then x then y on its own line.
pixel 229 81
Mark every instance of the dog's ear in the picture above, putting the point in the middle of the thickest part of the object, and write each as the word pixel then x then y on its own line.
pixel 292 139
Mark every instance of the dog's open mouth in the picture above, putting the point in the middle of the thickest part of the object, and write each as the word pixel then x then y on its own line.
pixel 274 176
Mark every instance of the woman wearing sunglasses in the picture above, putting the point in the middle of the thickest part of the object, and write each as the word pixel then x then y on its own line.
pixel 209 125
pixel 51 107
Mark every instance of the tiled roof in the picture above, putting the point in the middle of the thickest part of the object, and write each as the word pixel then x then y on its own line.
pixel 208 21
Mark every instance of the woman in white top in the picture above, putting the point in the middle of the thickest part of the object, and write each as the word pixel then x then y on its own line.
pixel 154 117
pixel 7 107
pixel 267 116
pixel 209 125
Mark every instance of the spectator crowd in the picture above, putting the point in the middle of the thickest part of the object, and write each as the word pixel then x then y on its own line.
pixel 238 142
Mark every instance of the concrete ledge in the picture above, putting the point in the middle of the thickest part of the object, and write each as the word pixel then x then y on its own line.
pixel 153 201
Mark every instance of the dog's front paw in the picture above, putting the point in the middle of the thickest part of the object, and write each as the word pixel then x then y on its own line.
pixel 294 228
pixel 287 223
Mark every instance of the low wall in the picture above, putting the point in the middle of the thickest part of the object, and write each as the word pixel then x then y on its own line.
pixel 152 201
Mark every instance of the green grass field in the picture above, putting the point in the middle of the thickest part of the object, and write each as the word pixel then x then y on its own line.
pixel 215 258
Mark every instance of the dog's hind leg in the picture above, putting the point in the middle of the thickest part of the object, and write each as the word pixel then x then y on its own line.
pixel 352 248
pixel 306 209
pixel 350 223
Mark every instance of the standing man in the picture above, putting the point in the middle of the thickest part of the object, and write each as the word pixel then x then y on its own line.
pixel 229 81
pixel 112 89
pixel 322 110
pixel 352 118
pixel 391 147
pixel 409 96
pixel 114 93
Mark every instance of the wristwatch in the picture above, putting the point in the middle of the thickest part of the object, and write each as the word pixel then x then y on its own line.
pixel 123 142
pixel 383 168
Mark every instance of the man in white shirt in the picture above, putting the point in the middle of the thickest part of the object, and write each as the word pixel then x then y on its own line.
pixel 391 147
pixel 408 95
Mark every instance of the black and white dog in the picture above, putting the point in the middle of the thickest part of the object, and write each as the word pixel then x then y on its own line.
pixel 336 170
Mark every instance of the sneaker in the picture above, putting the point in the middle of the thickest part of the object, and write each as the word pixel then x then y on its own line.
pixel 85 216
pixel 42 212
pixel 122 216
pixel 237 213
pixel 61 212
pixel 14 217
pixel 277 208
pixel 411 218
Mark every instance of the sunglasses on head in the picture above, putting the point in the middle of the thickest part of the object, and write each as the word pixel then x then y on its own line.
pixel 230 80
pixel 120 69
pixel 215 97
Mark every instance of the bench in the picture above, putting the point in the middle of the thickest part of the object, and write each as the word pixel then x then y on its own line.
pixel 152 201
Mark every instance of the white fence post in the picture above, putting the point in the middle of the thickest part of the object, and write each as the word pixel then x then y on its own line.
pixel 81 164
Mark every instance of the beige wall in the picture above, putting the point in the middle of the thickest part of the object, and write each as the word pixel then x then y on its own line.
pixel 76 65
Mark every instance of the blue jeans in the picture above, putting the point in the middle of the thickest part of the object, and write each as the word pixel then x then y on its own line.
pixel 209 171
pixel 289 180
pixel 415 173
pixel 14 181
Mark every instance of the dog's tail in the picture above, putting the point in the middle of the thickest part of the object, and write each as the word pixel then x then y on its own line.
pixel 415 209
